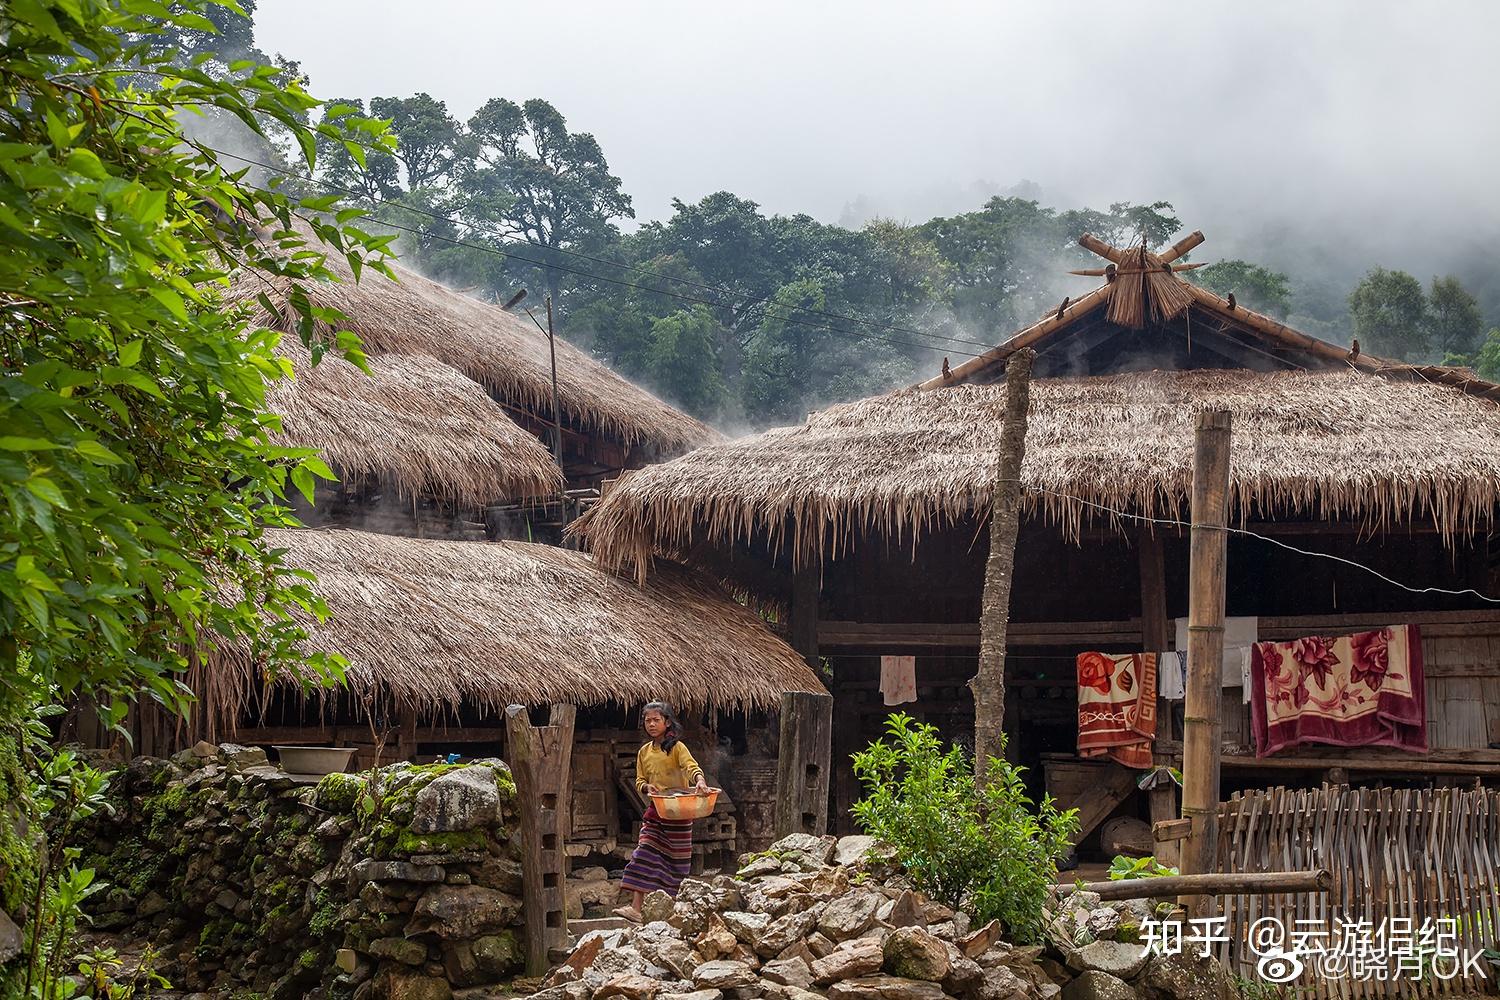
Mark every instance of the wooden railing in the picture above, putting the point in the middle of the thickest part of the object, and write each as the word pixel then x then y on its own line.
pixel 1417 854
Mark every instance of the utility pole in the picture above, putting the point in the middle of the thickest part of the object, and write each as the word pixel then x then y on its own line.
pixel 556 412
pixel 1202 726
pixel 988 685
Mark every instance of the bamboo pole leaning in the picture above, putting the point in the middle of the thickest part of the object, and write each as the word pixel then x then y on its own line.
pixel 1209 884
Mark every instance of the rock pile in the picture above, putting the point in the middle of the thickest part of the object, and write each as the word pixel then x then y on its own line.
pixel 815 918
pixel 404 887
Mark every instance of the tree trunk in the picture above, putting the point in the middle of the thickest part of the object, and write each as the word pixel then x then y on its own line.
pixel 988 685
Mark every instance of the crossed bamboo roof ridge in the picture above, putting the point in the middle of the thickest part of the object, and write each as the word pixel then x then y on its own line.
pixel 1332 434
pixel 430 625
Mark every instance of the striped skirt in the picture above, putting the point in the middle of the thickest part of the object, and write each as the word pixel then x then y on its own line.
pixel 663 857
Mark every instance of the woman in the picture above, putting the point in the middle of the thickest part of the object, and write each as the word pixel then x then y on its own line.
pixel 665 851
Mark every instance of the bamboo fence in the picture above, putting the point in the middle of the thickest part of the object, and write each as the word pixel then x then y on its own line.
pixel 1417 854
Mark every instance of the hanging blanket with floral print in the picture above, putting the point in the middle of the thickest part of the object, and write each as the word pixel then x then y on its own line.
pixel 1353 691
pixel 1117 706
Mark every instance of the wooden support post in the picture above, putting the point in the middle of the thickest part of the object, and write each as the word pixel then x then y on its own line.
pixel 803 613
pixel 988 684
pixel 1153 568
pixel 406 738
pixel 1202 725
pixel 845 746
pixel 802 763
pixel 540 762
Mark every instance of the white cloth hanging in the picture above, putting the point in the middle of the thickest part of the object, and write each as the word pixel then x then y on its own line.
pixel 1239 635
pixel 1171 675
pixel 898 679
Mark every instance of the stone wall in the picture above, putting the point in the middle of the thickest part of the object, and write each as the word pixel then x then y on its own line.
pixel 401 884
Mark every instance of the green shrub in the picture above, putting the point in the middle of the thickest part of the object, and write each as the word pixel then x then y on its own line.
pixel 988 851
pixel 1123 867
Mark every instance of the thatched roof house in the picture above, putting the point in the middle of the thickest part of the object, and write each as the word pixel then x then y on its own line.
pixel 1320 431
pixel 414 422
pixel 504 352
pixel 430 625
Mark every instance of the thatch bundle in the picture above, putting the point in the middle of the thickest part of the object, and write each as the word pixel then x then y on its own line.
pixel 1331 444
pixel 502 351
pixel 431 624
pixel 1144 290
pixel 413 421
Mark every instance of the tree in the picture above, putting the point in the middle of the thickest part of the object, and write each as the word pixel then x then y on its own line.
pixel 1388 313
pixel 136 475
pixel 371 174
pixel 428 139
pixel 536 181
pixel 683 360
pixel 1252 285
pixel 1453 321
pixel 1486 362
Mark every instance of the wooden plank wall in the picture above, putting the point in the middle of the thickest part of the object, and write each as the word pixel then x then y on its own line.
pixel 1410 853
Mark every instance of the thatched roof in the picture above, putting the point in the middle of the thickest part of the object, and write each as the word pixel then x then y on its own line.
pixel 503 351
pixel 431 624
pixel 413 421
pixel 1334 443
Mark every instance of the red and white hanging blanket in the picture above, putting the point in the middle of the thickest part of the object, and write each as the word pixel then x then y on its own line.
pixel 1117 706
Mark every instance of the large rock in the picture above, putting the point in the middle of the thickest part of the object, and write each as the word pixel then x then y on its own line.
pixel 484 959
pixel 723 975
pixel 402 950
pixel 395 984
pixel 395 871
pixel 788 972
pixel 903 911
pixel 886 988
pixel 462 911
pixel 1183 977
pixel 629 987
pixel 717 940
pixel 852 848
pixel 748 927
pixel 964 974
pixel 912 953
pixel 803 849
pixel 784 932
pixel 850 915
pixel 1093 985
pixel 1000 983
pixel 10 938
pixel 1118 959
pixel 848 961
pixel 657 906
pixel 466 799
pixel 978 942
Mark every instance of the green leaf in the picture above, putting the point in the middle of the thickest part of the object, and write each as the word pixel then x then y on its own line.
pixel 87 163
pixel 172 301
pixel 96 452
pixel 46 490
pixel 130 353
pixel 303 480
pixel 11 442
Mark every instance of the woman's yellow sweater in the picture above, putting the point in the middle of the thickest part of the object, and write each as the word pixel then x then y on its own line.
pixel 654 766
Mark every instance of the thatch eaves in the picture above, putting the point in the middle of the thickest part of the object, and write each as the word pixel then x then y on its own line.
pixel 412 421
pixel 429 625
pixel 502 351
pixel 1334 444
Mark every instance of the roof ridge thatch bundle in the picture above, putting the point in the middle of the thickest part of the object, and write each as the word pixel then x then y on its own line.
pixel 1329 444
pixel 413 421
pixel 429 625
pixel 503 352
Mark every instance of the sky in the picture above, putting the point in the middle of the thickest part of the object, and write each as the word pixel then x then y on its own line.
pixel 1293 128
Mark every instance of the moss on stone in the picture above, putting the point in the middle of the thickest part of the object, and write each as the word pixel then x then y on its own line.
pixel 337 793
pixel 408 842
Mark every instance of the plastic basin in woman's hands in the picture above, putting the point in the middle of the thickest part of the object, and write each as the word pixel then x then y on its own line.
pixel 685 803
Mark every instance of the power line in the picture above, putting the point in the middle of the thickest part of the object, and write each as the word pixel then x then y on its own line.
pixel 718 304
pixel 1466 592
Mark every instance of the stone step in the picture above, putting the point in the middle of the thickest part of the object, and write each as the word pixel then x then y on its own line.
pixel 578 928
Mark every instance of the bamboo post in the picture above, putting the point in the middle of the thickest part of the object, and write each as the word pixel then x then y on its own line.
pixel 1213 883
pixel 988 684
pixel 540 758
pixel 1202 726
pixel 802 763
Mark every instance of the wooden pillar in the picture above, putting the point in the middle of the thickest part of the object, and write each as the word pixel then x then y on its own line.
pixel 406 734
pixel 541 760
pixel 1163 797
pixel 845 746
pixel 988 683
pixel 1202 726
pixel 802 763
pixel 803 613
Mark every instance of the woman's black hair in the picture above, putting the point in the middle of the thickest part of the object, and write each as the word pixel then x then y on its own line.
pixel 674 727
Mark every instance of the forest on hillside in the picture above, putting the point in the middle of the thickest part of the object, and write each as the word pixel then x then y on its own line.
pixel 751 319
